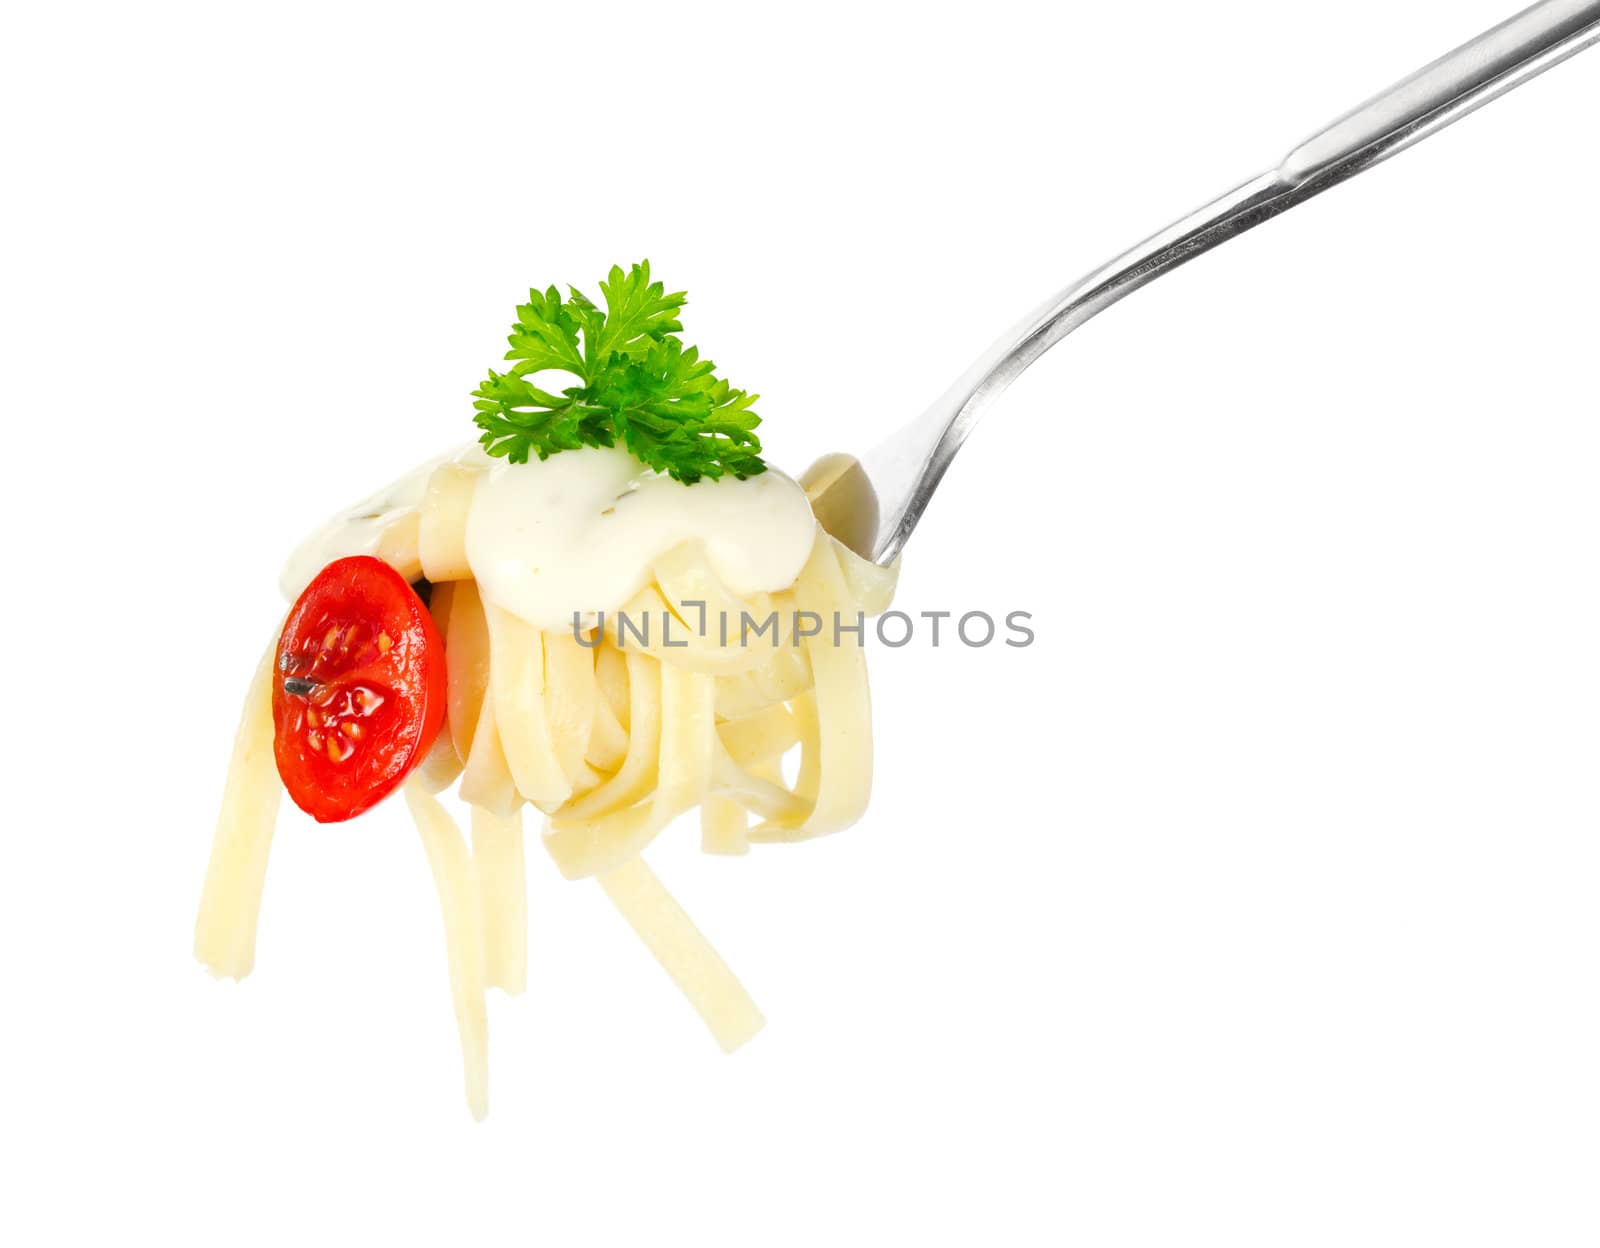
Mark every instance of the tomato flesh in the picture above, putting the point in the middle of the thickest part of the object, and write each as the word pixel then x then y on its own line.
pixel 360 694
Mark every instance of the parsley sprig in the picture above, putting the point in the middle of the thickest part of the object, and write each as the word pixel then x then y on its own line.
pixel 638 384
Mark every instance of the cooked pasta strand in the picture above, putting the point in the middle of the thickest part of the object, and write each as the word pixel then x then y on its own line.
pixel 441 767
pixel 760 735
pixel 486 780
pixel 686 955
pixel 570 697
pixel 843 712
pixel 723 826
pixel 518 686
pixel 761 791
pixel 466 656
pixel 503 897
pixel 611 674
pixel 608 739
pixel 655 628
pixel 442 523
pixel 683 775
pixel 453 877
pixel 230 901
pixel 398 547
pixel 637 775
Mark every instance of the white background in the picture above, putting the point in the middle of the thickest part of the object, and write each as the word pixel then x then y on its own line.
pixel 1254 904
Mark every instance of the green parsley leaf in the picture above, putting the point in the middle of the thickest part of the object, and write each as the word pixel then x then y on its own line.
pixel 636 383
pixel 636 309
pixel 545 336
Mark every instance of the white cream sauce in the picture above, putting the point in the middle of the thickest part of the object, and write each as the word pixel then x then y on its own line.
pixel 579 532
pixel 358 529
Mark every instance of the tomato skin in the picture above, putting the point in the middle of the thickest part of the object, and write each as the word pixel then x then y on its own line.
pixel 366 692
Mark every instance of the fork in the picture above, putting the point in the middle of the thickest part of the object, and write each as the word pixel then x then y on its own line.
pixel 872 505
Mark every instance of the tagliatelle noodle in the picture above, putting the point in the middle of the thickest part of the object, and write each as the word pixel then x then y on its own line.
pixel 502 890
pixel 571 694
pixel 599 842
pixel 486 779
pixel 613 732
pixel 724 826
pixel 398 547
pixel 230 901
pixel 702 977
pixel 521 710
pixel 442 523
pixel 835 717
pixel 459 902
pixel 466 661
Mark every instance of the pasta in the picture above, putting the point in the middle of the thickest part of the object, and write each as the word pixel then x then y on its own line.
pixel 689 698
pixel 230 903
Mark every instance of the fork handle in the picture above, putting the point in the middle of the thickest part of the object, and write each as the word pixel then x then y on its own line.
pixel 1449 89
pixel 907 469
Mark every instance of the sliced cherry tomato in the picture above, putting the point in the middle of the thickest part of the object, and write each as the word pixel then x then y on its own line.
pixel 360 693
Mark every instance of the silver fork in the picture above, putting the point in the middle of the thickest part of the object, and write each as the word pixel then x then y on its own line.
pixel 872 506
